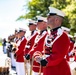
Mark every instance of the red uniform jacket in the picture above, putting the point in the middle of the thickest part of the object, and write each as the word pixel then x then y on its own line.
pixel 30 43
pixel 57 64
pixel 20 51
pixel 39 46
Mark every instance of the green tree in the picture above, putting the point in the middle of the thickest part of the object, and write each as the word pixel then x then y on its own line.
pixel 37 7
pixel 70 11
pixel 40 7
pixel 0 41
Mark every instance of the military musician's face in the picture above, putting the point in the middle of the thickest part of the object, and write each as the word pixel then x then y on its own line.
pixel 21 34
pixel 50 21
pixel 41 25
pixel 16 35
pixel 32 27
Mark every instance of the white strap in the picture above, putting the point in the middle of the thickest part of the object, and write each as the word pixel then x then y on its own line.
pixel 59 33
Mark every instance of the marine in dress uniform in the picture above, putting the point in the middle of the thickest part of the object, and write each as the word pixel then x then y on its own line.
pixel 30 42
pixel 20 52
pixel 75 46
pixel 38 46
pixel 71 54
pixel 54 62
pixel 13 61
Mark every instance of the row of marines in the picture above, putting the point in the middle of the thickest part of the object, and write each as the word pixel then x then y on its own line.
pixel 44 53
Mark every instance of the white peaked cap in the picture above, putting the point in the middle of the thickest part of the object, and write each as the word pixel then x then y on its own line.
pixel 42 18
pixel 65 28
pixel 56 11
pixel 32 21
pixel 22 30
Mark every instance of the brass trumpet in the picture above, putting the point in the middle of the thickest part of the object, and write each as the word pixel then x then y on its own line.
pixel 37 53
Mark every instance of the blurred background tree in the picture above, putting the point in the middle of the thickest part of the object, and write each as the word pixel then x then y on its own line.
pixel 40 7
pixel 0 41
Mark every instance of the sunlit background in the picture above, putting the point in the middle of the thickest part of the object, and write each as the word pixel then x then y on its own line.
pixel 10 10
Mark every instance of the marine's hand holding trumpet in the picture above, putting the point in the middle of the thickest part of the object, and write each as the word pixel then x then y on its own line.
pixel 38 58
pixel 43 62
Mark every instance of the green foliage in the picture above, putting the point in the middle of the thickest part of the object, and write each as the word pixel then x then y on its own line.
pixel 40 7
pixel 37 7
pixel 0 41
pixel 70 11
pixel 0 44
